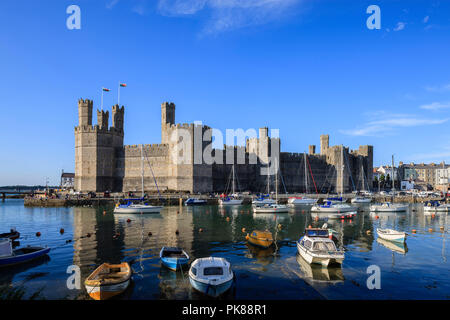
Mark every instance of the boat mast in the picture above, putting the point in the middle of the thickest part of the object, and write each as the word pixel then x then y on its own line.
pixel 142 170
pixel 342 169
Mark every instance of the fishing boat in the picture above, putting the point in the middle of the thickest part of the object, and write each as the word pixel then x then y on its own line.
pixel 108 280
pixel 259 238
pixel 211 276
pixel 231 201
pixel 316 247
pixel 142 207
pixel 435 206
pixel 389 207
pixel 391 235
pixel 13 234
pixel 9 257
pixel 195 202
pixel 361 200
pixel 174 258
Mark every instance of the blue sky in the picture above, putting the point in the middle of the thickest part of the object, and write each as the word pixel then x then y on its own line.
pixel 304 67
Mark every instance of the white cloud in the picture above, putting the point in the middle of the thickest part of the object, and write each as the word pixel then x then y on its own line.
pixel 400 26
pixel 442 88
pixel 435 106
pixel 111 4
pixel 226 15
pixel 386 124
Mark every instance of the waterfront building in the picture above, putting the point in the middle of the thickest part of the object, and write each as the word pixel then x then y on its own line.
pixel 67 180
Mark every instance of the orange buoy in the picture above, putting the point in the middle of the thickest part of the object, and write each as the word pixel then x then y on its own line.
pixel 368 232
pixel 377 217
pixel 309 226
pixel 104 211
pixel 442 228
pixel 38 234
pixel 330 236
pixel 61 230
pixel 228 218
pixel 430 230
pixel 433 215
pixel 413 230
pixel 243 229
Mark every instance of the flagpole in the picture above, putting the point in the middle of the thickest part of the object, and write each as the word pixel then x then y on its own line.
pixel 118 95
pixel 102 100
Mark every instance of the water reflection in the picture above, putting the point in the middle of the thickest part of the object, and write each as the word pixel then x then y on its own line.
pixel 332 274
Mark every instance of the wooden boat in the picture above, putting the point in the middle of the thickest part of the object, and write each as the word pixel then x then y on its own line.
pixel 9 257
pixel 108 280
pixel 211 276
pixel 315 247
pixel 13 234
pixel 258 238
pixel 174 258
pixel 391 235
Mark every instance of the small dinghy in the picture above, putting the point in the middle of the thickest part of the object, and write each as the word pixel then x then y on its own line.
pixel 211 276
pixel 9 257
pixel 391 235
pixel 13 234
pixel 108 280
pixel 174 258
pixel 261 239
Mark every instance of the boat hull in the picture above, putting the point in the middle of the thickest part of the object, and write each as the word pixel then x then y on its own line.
pixel 389 209
pixel 313 259
pixel 361 200
pixel 396 237
pixel 300 202
pixel 262 243
pixel 436 209
pixel 211 290
pixel 175 264
pixel 233 202
pixel 105 292
pixel 23 258
pixel 332 209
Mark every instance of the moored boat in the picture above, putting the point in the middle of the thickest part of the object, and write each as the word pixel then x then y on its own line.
pixel 435 206
pixel 9 257
pixel 211 276
pixel 13 234
pixel 131 207
pixel 301 201
pixel 227 201
pixel 263 200
pixel 271 208
pixel 195 202
pixel 389 207
pixel 329 207
pixel 361 200
pixel 108 280
pixel 174 258
pixel 391 235
pixel 259 238
pixel 316 247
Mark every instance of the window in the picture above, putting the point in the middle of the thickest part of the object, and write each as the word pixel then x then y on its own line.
pixel 194 271
pixel 213 271
pixel 308 244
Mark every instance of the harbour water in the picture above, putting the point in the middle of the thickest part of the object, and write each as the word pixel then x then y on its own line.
pixel 92 236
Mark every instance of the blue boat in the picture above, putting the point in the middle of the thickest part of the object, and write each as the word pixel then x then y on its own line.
pixel 195 202
pixel 211 276
pixel 174 258
pixel 9 257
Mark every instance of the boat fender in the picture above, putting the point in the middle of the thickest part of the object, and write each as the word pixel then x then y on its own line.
pixel 433 215
pixel 309 226
pixel 442 228
pixel 38 234
pixel 280 226
pixel 104 211
pixel 316 218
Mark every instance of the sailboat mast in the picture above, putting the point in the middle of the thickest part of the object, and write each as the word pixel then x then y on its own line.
pixel 342 170
pixel 142 170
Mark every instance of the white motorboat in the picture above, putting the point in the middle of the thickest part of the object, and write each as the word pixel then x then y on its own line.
pixel 231 201
pixel 361 200
pixel 141 207
pixel 263 200
pixel 294 201
pixel 271 208
pixel 389 207
pixel 435 206
pixel 391 235
pixel 211 276
pixel 316 247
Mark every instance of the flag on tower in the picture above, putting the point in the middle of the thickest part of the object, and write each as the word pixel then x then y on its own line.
pixel 123 84
pixel 107 90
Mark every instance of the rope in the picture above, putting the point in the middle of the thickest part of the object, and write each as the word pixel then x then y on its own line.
pixel 151 170
pixel 312 176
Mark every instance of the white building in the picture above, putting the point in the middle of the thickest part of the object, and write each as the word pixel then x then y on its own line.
pixel 386 170
pixel 443 176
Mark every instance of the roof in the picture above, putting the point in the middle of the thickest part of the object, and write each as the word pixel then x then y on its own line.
pixel 67 175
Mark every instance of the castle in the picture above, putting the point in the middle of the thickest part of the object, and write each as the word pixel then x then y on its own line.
pixel 104 163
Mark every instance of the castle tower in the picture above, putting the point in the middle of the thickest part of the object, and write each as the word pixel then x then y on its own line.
pixel 118 117
pixel 85 112
pixel 312 149
pixel 167 119
pixel 324 143
pixel 102 119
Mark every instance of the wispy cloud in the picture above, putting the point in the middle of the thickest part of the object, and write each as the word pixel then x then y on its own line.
pixel 441 88
pixel 387 124
pixel 400 26
pixel 111 4
pixel 224 15
pixel 435 106
pixel 436 157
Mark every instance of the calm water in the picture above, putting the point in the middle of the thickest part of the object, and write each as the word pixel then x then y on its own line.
pixel 418 271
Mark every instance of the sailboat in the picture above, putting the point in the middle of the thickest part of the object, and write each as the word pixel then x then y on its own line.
pixel 335 208
pixel 264 199
pixel 293 201
pixel 359 199
pixel 227 201
pixel 142 207
pixel 272 207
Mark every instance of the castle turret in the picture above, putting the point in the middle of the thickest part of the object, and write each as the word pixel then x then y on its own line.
pixel 102 119
pixel 324 143
pixel 85 112
pixel 118 117
pixel 167 119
